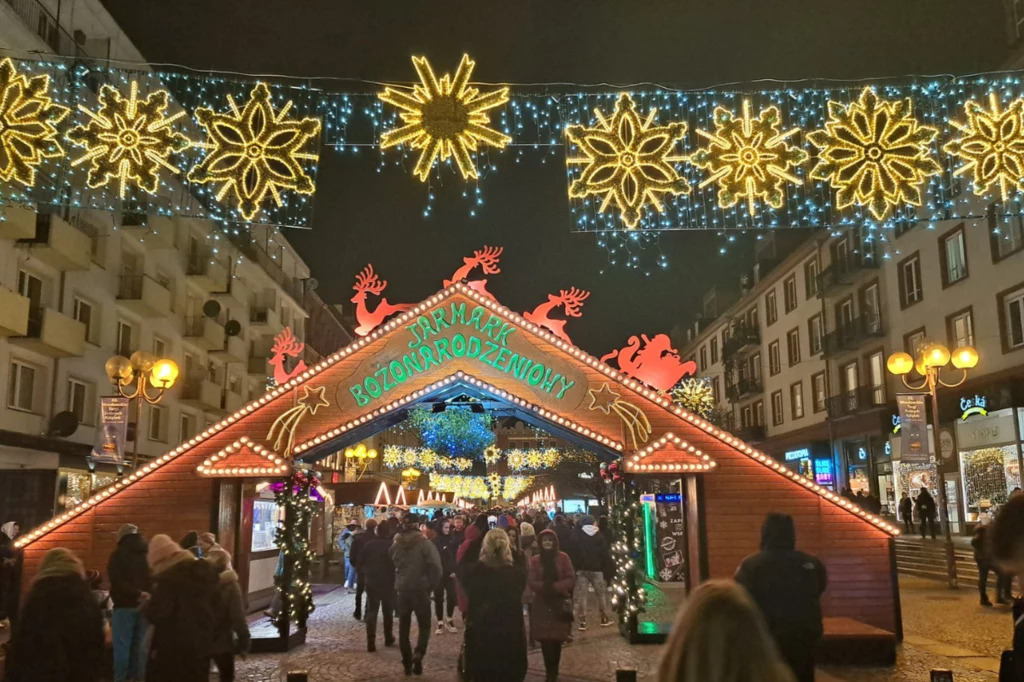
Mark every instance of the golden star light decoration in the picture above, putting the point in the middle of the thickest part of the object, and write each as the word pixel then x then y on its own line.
pixel 28 124
pixel 991 145
pixel 444 118
pixel 628 160
pixel 874 153
pixel 255 151
pixel 749 158
pixel 606 400
pixel 128 140
pixel 282 431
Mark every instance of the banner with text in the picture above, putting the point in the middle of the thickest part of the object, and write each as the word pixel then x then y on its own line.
pixel 913 428
pixel 113 431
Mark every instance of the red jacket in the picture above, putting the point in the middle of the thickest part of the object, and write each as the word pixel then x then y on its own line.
pixel 546 620
pixel 472 533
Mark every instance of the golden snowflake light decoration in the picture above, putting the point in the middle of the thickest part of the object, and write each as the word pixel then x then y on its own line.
pixel 695 396
pixel 444 118
pixel 874 153
pixel 628 159
pixel 128 139
pixel 28 124
pixel 749 157
pixel 255 152
pixel 991 146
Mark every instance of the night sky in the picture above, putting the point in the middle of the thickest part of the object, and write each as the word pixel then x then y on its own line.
pixel 365 216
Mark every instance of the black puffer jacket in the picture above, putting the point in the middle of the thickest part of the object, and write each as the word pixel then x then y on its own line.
pixel 128 572
pixel 59 637
pixel 182 611
pixel 447 547
pixel 417 563
pixel 375 564
pixel 592 553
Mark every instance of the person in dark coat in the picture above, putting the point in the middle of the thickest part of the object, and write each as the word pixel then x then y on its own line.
pixel 358 542
pixel 375 563
pixel 182 611
pixel 59 637
pixel 417 572
pixel 459 529
pixel 592 559
pixel 447 546
pixel 8 574
pixel 787 585
pixel 495 637
pixel 128 573
pixel 566 538
pixel 551 580
pixel 906 509
pixel 926 511
pixel 468 552
pixel 983 559
pixel 230 630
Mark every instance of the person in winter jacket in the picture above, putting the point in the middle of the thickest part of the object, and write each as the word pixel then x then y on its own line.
pixel 128 573
pixel 230 629
pixel 8 574
pixel 982 558
pixel 360 541
pixel 566 538
pixel 447 546
pixel 551 579
pixel 592 559
pixel 787 585
pixel 469 552
pixel 345 541
pixel 495 638
pixel 207 542
pixel 459 529
pixel 417 573
pixel 59 637
pixel 190 541
pixel 528 547
pixel 906 509
pixel 379 571
pixel 926 511
pixel 182 612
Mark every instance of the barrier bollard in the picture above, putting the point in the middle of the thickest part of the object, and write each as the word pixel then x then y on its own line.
pixel 298 676
pixel 625 676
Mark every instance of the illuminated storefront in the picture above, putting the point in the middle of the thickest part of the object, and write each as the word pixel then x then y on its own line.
pixel 988 446
pixel 814 462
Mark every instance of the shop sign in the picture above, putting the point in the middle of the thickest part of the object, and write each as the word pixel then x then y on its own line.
pixel 913 428
pixel 983 432
pixel 823 472
pixel 670 535
pixel 973 406
pixel 795 455
pixel 895 423
pixel 113 430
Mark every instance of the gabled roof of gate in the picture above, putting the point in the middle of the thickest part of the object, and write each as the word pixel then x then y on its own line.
pixel 571 352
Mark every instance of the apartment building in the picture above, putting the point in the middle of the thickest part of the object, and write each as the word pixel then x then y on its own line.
pixel 78 287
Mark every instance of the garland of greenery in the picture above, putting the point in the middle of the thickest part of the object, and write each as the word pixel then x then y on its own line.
pixel 292 585
pixel 627 523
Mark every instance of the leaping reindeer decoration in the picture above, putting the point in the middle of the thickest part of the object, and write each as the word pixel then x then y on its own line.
pixel 367 282
pixel 571 301
pixel 487 260
pixel 286 346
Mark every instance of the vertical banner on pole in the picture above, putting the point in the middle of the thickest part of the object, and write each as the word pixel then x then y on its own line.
pixel 113 431
pixel 913 428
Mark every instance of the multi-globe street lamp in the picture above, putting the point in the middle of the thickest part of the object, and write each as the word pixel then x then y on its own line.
pixel 144 369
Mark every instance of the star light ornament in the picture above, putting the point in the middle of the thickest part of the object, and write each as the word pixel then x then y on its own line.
pixel 128 139
pixel 874 153
pixel 255 151
pixel 444 118
pixel 628 160
pixel 28 124
pixel 991 146
pixel 749 157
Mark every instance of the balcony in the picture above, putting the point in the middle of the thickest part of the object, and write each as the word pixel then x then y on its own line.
pixel 202 394
pixel 205 333
pixel 744 338
pixel 206 272
pixel 45 25
pixel 17 223
pixel 13 313
pixel 257 253
pixel 231 402
pixel 233 350
pixel 52 334
pixel 743 388
pixel 143 295
pixel 259 368
pixel 851 335
pixel 59 245
pixel 750 434
pixel 842 273
pixel 265 319
pixel 155 232
pixel 858 401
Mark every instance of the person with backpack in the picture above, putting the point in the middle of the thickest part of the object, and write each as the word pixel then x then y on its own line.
pixel 417 573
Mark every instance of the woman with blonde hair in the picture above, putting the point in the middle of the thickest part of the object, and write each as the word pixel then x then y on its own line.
pixel 495 636
pixel 720 636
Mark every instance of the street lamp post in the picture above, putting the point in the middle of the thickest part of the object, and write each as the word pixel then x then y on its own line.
pixel 362 457
pixel 146 369
pixel 932 357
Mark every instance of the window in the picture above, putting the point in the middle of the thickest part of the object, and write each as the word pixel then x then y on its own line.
pixel 21 389
pixel 755 367
pixel 911 291
pixel 960 329
pixel 777 408
pixel 187 427
pixel 774 361
pixel 714 350
pixel 789 288
pixel 876 373
pixel 814 334
pixel 811 271
pixel 125 334
pixel 234 384
pixel 746 417
pixel 759 413
pixel 818 391
pixel 703 358
pixel 84 314
pixel 912 342
pixel 844 317
pixel 159 347
pixel 793 346
pixel 751 319
pixel 953 256
pixel 131 263
pixel 771 313
pixel 167 282
pixel 851 379
pixel 31 287
pixel 1007 238
pixel 80 401
pixel 796 399
pixel 870 308
pixel 715 390
pixel 1012 310
pixel 158 423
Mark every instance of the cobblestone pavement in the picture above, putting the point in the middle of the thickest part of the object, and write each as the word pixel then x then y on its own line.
pixel 943 629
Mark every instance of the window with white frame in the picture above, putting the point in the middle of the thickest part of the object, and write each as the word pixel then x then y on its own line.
pixel 774 360
pixel 186 427
pixel 1013 312
pixel 911 291
pixel 755 367
pixel 777 416
pixel 789 288
pixel 703 358
pixel 759 413
pixel 796 399
pixel 746 417
pixel 21 393
pixel 961 329
pixel 31 287
pixel 125 338
pixel 715 395
pixel 818 390
pixel 714 350
pixel 811 272
pixel 771 311
pixel 84 313
pixel 1009 237
pixel 80 400
pixel 815 334
pixel 876 373
pixel 793 346
pixel 159 347
pixel 158 423
pixel 955 257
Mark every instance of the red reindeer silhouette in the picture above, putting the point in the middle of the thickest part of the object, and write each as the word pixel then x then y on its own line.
pixel 656 364
pixel 285 346
pixel 571 302
pixel 368 283
pixel 487 259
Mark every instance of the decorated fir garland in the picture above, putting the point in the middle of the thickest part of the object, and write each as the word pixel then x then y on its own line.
pixel 292 538
pixel 628 596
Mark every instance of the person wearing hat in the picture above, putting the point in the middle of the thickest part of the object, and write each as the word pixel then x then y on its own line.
pixel 231 631
pixel 59 637
pixel 592 559
pixel 129 586
pixel 417 573
pixel 207 542
pixel 182 613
